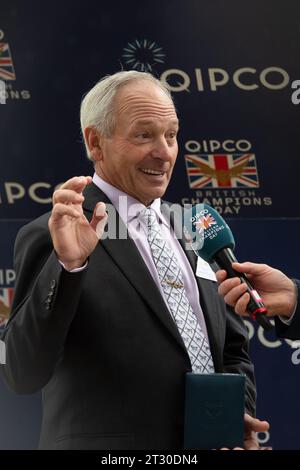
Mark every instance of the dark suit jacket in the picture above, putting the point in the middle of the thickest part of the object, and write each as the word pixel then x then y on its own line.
pixel 103 346
pixel 291 331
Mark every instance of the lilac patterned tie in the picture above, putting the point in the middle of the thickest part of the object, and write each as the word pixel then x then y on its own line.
pixel 171 279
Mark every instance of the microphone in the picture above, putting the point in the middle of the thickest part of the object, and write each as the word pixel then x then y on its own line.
pixel 211 239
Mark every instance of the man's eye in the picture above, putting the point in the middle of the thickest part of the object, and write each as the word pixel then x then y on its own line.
pixel 172 135
pixel 144 135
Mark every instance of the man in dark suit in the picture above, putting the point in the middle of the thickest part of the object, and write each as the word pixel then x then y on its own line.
pixel 279 293
pixel 91 324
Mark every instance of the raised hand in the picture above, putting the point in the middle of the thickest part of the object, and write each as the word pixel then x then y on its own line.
pixel 74 237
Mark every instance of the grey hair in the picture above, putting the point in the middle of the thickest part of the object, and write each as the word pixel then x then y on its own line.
pixel 97 106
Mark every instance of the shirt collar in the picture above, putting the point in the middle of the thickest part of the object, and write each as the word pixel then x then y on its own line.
pixel 128 207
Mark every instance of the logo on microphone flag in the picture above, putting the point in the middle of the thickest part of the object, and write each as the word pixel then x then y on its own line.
pixel 222 171
pixel 205 222
pixel 7 71
pixel 6 298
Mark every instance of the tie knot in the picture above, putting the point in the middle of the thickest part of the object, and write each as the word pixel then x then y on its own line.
pixel 148 216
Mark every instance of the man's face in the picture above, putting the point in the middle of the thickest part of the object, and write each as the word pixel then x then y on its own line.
pixel 140 155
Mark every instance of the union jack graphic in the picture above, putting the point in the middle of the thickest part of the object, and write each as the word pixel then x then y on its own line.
pixel 6 298
pixel 222 171
pixel 205 222
pixel 7 71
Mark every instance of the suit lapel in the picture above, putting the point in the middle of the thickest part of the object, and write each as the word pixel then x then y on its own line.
pixel 125 254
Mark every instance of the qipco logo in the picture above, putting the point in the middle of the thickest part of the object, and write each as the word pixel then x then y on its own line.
pixel 215 78
pixel 274 343
pixel 263 438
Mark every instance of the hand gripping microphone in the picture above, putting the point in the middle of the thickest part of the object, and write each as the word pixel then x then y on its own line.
pixel 211 239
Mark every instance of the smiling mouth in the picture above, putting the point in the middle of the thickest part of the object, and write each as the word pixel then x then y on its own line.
pixel 148 171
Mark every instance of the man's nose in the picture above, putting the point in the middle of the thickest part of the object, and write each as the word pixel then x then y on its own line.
pixel 162 150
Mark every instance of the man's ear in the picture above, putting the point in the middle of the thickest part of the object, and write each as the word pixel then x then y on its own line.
pixel 93 141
